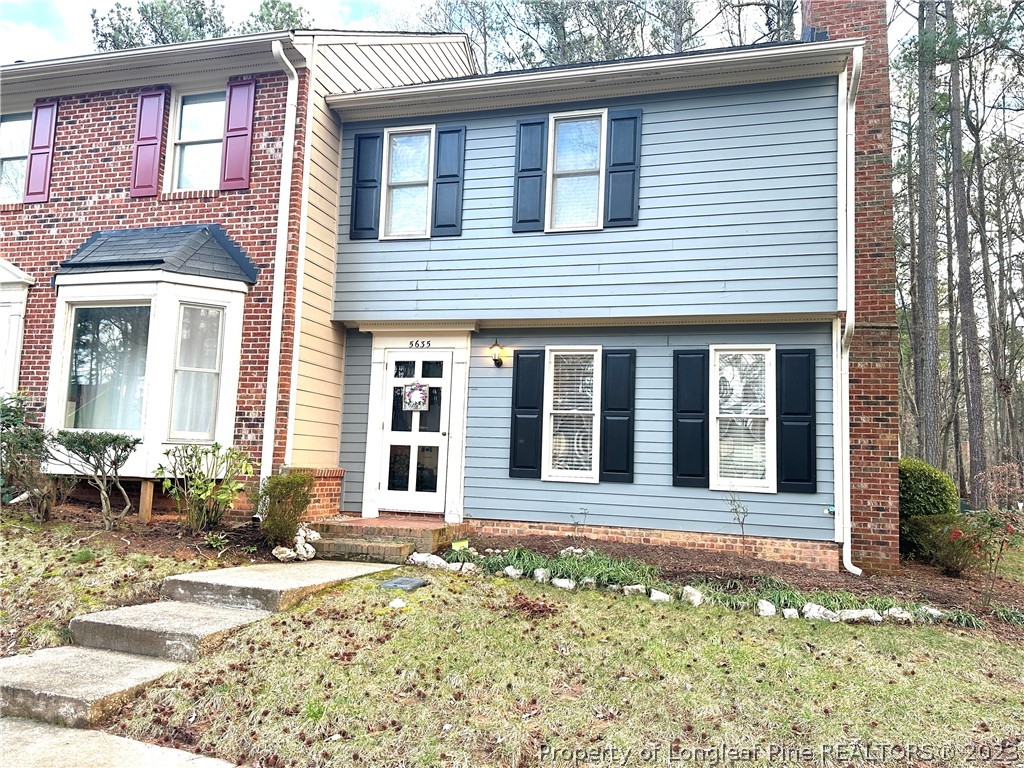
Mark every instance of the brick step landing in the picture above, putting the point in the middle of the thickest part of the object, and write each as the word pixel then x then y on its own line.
pixel 425 533
pixel 80 686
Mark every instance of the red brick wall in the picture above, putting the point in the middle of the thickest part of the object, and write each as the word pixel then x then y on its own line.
pixel 874 409
pixel 822 555
pixel 89 192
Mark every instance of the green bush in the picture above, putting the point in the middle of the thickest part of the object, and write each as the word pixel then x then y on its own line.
pixel 281 500
pixel 99 456
pixel 204 481
pixel 924 490
pixel 946 541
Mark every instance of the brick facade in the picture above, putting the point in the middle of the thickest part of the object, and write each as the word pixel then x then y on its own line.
pixel 874 405
pixel 89 184
pixel 821 555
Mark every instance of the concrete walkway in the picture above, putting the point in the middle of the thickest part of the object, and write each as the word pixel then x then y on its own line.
pixel 31 744
pixel 120 652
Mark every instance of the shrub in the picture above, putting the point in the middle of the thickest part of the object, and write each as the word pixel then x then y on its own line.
pixel 204 481
pixel 99 456
pixel 946 541
pixel 924 490
pixel 281 500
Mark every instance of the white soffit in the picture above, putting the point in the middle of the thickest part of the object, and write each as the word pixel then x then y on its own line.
pixel 600 81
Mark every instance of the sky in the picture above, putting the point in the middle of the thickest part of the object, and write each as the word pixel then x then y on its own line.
pixel 31 30
pixel 48 29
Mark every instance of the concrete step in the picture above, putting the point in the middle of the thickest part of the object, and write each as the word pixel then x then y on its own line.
pixel 173 630
pixel 264 587
pixel 364 549
pixel 427 535
pixel 39 745
pixel 74 686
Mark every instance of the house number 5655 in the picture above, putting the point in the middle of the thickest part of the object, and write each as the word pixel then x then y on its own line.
pixel 419 344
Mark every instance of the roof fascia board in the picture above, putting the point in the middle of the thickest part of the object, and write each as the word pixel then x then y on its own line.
pixel 606 80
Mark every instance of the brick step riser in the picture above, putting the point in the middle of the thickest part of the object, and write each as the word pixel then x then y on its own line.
pixel 372 551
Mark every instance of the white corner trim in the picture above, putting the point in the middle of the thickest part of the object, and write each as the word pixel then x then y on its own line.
pixel 11 274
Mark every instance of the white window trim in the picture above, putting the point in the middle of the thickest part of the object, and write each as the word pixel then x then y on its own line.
pixel 196 437
pixel 550 173
pixel 165 295
pixel 172 143
pixel 547 471
pixel 716 482
pixel 28 142
pixel 384 184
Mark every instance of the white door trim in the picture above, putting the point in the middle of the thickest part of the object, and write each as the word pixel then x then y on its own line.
pixel 456 341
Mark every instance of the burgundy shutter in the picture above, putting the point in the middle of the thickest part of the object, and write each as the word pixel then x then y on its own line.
pixel 40 152
pixel 149 131
pixel 238 108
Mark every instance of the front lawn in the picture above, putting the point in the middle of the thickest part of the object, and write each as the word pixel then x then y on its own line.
pixel 492 672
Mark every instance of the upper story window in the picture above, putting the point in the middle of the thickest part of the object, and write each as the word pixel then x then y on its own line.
pixel 576 171
pixel 198 141
pixel 407 182
pixel 14 141
pixel 743 440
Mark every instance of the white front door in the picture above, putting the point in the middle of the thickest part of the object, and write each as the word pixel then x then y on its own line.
pixel 416 401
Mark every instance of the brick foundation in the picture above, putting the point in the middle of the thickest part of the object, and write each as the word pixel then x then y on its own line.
pixel 874 372
pixel 326 492
pixel 821 555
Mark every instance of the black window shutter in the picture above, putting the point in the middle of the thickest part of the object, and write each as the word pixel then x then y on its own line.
pixel 364 217
pixel 524 455
pixel 622 174
pixel 795 414
pixel 449 160
pixel 531 175
pixel 690 420
pixel 618 406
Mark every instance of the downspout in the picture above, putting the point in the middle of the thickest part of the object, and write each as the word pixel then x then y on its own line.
pixel 850 327
pixel 280 262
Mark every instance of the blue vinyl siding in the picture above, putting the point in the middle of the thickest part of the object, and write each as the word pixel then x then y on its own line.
pixel 354 410
pixel 737 216
pixel 650 501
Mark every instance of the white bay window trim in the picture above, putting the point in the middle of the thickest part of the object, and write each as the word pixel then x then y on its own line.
pixel 553 176
pixel 165 293
pixel 386 232
pixel 553 408
pixel 718 481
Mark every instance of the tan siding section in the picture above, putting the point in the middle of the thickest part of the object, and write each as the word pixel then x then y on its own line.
pixel 343 64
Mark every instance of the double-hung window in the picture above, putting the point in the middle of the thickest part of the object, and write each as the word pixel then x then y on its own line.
pixel 197 372
pixel 14 141
pixel 198 141
pixel 408 182
pixel 742 405
pixel 576 148
pixel 572 400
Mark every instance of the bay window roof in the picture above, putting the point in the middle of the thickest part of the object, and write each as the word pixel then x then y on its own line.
pixel 203 250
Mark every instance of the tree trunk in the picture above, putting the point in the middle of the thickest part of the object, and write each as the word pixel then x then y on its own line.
pixel 928 402
pixel 968 319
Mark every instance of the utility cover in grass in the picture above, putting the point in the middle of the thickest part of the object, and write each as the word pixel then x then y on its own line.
pixel 406 583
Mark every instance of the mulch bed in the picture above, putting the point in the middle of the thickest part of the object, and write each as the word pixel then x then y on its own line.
pixel 914 582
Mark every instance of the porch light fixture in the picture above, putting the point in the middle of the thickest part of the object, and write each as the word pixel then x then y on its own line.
pixel 496 351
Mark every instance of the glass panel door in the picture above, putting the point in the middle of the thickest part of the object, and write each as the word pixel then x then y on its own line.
pixel 417 393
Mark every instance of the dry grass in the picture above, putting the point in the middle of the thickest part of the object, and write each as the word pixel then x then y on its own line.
pixel 487 672
pixel 49 574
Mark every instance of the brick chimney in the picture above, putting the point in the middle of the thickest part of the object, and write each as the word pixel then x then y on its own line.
pixel 874 404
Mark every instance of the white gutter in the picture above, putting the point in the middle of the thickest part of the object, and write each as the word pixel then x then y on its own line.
pixel 300 265
pixel 280 262
pixel 850 253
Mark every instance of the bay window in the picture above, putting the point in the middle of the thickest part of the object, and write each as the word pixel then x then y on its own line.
pixel 197 372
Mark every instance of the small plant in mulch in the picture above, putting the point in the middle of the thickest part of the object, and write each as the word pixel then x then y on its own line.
pixel 205 481
pixel 279 502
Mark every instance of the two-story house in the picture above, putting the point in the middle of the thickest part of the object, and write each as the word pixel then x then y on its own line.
pixel 168 238
pixel 648 300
